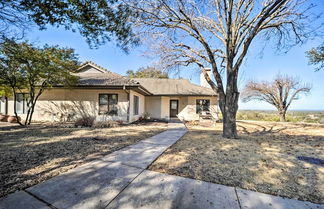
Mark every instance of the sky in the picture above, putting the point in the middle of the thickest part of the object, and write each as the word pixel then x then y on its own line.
pixel 256 67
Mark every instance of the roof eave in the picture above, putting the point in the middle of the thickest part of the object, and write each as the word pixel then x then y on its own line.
pixel 194 95
pixel 141 89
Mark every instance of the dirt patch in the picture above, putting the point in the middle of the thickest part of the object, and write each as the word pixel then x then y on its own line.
pixel 31 155
pixel 269 157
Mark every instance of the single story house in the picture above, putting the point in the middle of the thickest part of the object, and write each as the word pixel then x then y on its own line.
pixel 110 96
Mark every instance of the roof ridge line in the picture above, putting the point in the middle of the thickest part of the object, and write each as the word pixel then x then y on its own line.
pixel 100 68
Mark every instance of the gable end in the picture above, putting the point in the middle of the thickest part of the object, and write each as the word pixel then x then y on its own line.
pixel 90 67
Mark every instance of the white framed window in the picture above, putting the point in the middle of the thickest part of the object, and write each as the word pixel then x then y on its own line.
pixel 21 103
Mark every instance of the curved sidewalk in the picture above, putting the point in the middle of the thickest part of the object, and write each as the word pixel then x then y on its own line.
pixel 120 180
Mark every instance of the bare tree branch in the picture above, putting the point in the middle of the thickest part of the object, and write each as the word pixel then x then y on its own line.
pixel 217 34
pixel 280 92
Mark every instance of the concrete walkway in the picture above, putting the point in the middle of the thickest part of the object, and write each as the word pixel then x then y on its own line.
pixel 120 180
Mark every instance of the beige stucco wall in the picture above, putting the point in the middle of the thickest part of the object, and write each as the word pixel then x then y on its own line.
pixel 141 108
pixel 153 106
pixel 68 104
pixel 159 106
pixel 57 104
pixel 188 112
pixel 165 107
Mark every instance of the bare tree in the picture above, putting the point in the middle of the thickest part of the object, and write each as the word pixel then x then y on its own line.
pixel 218 34
pixel 281 92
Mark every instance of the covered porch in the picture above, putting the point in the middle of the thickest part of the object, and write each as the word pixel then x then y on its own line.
pixel 182 107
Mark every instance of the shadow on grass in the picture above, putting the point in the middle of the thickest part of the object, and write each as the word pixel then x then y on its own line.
pixel 263 159
pixel 34 154
pixel 262 129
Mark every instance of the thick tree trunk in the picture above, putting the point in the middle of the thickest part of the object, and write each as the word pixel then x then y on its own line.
pixel 229 103
pixel 229 124
pixel 282 116
pixel 229 109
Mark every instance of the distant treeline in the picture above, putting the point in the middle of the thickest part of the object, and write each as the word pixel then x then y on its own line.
pixel 292 116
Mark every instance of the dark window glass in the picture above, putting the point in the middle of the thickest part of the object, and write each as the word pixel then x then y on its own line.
pixel 108 104
pixel 202 105
pixel 103 103
pixel 136 105
pixel 112 101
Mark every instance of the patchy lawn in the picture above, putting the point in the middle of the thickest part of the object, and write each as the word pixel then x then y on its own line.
pixel 31 155
pixel 269 157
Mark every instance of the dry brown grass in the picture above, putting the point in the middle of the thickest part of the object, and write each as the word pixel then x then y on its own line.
pixel 31 155
pixel 264 159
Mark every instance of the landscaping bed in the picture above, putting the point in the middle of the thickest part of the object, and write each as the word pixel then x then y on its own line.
pixel 31 155
pixel 283 159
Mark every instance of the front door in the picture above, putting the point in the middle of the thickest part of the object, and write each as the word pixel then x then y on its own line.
pixel 174 108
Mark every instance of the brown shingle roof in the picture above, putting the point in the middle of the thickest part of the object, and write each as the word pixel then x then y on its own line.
pixel 102 77
pixel 91 64
pixel 161 86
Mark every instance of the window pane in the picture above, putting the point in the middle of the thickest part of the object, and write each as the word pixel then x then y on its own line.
pixel 206 105
pixel 108 104
pixel 113 99
pixel 174 105
pixel 103 99
pixel 103 103
pixel 20 97
pixel 136 104
pixel 20 103
pixel 202 105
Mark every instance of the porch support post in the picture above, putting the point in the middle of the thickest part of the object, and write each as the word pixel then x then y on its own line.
pixel 128 106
